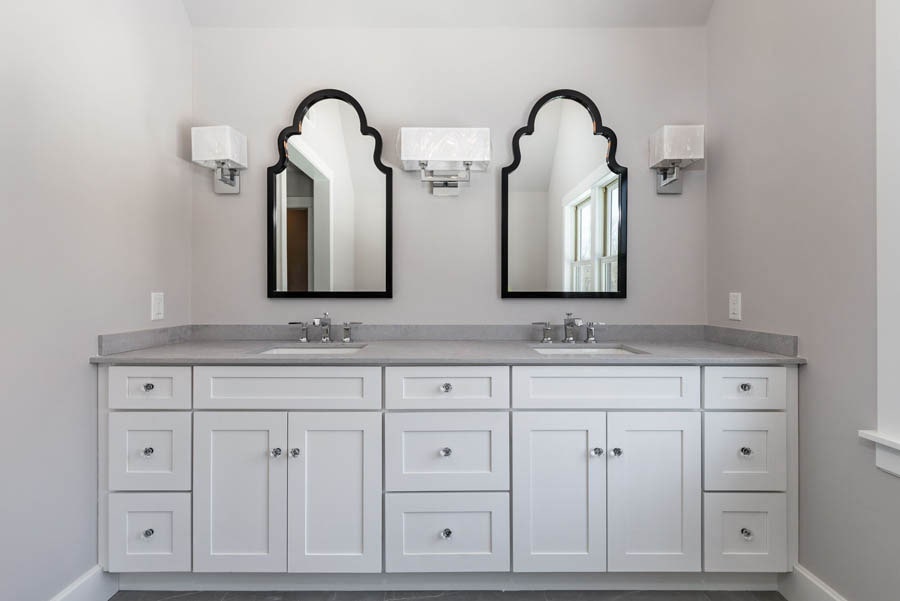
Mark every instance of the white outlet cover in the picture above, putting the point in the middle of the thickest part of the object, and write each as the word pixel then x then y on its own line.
pixel 157 306
pixel 734 306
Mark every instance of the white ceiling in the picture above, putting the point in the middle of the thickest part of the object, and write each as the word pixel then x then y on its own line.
pixel 447 13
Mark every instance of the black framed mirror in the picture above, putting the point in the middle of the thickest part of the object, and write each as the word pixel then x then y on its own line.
pixel 329 214
pixel 564 205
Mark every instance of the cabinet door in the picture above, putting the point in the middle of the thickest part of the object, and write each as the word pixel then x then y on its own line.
pixel 559 492
pixel 654 492
pixel 240 492
pixel 334 482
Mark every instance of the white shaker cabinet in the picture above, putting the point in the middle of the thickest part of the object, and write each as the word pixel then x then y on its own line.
pixel 559 492
pixel 240 492
pixel 334 492
pixel 654 492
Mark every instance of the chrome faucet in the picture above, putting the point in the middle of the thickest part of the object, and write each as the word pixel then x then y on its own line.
pixel 546 331
pixel 324 322
pixel 348 330
pixel 304 329
pixel 591 333
pixel 569 325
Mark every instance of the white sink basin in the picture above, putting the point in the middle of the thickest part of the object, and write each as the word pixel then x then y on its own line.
pixel 312 350
pixel 585 350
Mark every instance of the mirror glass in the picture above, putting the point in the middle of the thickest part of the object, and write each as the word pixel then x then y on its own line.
pixel 330 220
pixel 565 208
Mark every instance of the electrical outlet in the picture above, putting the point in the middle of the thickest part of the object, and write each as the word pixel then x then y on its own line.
pixel 157 306
pixel 734 306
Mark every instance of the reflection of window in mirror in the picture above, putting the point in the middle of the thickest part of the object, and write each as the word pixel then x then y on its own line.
pixel 591 239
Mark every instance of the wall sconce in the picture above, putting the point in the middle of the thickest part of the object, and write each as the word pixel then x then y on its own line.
pixel 224 149
pixel 672 148
pixel 445 157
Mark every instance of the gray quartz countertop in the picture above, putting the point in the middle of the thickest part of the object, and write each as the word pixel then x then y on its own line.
pixel 443 352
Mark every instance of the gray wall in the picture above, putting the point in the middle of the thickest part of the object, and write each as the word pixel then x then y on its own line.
pixel 791 146
pixel 95 214
pixel 446 251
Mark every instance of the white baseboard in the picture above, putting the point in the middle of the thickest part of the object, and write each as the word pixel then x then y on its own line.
pixel 93 585
pixel 803 585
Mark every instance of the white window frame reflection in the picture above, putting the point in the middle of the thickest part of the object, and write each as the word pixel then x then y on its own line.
pixel 599 270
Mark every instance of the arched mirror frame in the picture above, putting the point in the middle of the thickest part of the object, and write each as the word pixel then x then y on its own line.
pixel 614 167
pixel 295 129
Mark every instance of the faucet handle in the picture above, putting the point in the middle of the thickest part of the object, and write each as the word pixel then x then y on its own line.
pixel 546 332
pixel 304 329
pixel 591 334
pixel 348 329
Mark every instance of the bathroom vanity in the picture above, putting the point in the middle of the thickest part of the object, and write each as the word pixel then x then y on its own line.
pixel 399 462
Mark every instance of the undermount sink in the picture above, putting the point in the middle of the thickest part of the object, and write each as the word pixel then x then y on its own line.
pixel 586 350
pixel 313 350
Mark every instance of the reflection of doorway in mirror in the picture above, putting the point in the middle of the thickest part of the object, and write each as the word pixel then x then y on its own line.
pixel 591 238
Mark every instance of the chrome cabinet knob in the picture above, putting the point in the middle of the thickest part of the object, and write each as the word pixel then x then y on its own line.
pixel 747 534
pixel 746 451
pixel 446 387
pixel 148 533
pixel 446 533
pixel 745 387
pixel 276 452
pixel 147 452
pixel 617 452
pixel 295 452
pixel 596 452
pixel 445 452
pixel 149 386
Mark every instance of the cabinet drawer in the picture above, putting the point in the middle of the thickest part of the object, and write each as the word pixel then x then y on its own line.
pixel 446 451
pixel 149 387
pixel 745 387
pixel 149 532
pixel 745 451
pixel 447 532
pixel 287 387
pixel 745 532
pixel 446 387
pixel 150 451
pixel 590 387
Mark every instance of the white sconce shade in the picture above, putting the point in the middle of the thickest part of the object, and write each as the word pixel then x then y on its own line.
pixel 223 148
pixel 445 148
pixel 445 156
pixel 672 148
pixel 217 144
pixel 676 146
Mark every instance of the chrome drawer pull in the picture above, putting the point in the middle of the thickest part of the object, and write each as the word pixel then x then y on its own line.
pixel 446 387
pixel 746 451
pixel 148 533
pixel 745 387
pixel 149 386
pixel 445 452
pixel 446 533
pixel 147 452
pixel 747 534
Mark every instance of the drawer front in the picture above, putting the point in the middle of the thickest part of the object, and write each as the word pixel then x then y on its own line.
pixel 149 387
pixel 745 451
pixel 591 387
pixel 150 451
pixel 745 532
pixel 745 387
pixel 447 532
pixel 149 532
pixel 222 387
pixel 446 451
pixel 446 387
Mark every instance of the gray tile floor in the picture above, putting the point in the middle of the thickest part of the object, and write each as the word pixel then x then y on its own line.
pixel 450 596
